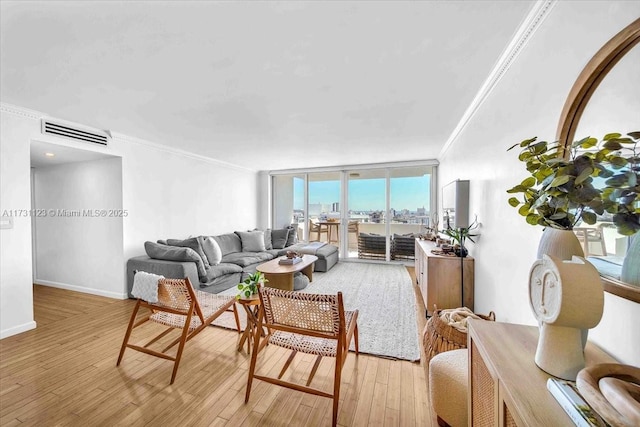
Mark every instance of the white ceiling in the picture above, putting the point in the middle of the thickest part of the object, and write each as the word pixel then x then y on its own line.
pixel 266 85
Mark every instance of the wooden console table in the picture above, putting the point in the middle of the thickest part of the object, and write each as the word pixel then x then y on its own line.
pixel 440 278
pixel 506 387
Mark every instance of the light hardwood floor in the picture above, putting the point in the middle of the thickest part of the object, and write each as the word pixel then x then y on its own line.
pixel 64 373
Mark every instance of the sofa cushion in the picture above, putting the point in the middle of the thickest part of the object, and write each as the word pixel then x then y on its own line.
pixel 175 253
pixel 222 269
pixel 212 250
pixel 229 243
pixel 244 259
pixel 279 237
pixel 252 241
pixel 193 243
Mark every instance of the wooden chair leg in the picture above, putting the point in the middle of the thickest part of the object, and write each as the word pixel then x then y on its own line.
pixel 235 315
pixel 183 340
pixel 287 363
pixel 336 390
pixel 127 334
pixel 314 369
pixel 355 339
pixel 257 346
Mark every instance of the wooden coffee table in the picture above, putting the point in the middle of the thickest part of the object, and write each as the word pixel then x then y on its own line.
pixel 281 276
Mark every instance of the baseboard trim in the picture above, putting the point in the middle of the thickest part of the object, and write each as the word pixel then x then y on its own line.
pixel 5 333
pixel 82 289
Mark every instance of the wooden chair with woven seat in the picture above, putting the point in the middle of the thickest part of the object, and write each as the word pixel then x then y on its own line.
pixel 315 324
pixel 319 229
pixel 181 307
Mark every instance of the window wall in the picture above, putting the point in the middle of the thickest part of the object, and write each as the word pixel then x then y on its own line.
pixel 358 209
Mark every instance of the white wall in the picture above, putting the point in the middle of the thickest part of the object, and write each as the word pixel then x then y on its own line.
pixel 174 195
pixel 82 252
pixel 16 289
pixel 527 102
pixel 283 200
pixel 166 192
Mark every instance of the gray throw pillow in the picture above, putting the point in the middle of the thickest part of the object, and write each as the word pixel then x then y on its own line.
pixel 292 237
pixel 268 245
pixel 279 238
pixel 193 243
pixel 212 250
pixel 252 241
pixel 175 253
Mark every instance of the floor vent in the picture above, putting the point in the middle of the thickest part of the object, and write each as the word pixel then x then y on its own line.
pixel 72 131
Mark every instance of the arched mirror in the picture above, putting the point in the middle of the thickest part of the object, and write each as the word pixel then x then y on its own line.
pixel 606 98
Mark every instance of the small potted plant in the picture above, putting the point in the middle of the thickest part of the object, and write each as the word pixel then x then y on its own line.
pixel 460 235
pixel 249 287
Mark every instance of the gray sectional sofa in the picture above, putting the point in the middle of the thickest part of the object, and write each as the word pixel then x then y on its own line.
pixel 217 263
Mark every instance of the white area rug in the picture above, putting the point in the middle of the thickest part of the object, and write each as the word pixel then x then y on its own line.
pixel 385 298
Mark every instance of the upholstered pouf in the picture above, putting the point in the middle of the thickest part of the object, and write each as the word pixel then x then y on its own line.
pixel 300 281
pixel 448 385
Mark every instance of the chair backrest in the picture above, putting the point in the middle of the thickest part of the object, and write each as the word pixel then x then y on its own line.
pixel 177 296
pixel 310 314
pixel 353 226
pixel 313 226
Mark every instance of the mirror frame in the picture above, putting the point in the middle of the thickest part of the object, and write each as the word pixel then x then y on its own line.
pixel 586 84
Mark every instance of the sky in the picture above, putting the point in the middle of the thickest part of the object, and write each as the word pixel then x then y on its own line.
pixel 368 194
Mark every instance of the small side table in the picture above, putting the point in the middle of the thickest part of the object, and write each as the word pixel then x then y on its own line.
pixel 252 307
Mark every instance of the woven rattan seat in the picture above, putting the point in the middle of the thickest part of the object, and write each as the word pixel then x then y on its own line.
pixel 180 307
pixel 310 323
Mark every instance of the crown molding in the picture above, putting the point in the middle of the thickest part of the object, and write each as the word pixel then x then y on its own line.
pixel 531 23
pixel 171 150
pixel 20 111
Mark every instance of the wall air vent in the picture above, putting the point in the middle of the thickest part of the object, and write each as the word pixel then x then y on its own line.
pixel 73 131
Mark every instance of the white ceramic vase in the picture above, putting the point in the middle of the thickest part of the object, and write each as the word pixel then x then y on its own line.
pixel 562 244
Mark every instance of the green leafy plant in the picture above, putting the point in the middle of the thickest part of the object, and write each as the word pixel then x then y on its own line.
pixel 249 286
pixel 461 234
pixel 560 192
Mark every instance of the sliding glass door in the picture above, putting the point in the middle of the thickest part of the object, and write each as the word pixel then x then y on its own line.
pixel 385 207
pixel 367 214
pixel 324 206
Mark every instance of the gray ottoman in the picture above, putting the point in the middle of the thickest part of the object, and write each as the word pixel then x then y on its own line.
pixel 327 258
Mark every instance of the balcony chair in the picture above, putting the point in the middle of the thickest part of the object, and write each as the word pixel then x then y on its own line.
pixel 403 246
pixel 310 323
pixel 318 229
pixel 587 235
pixel 178 306
pixel 372 246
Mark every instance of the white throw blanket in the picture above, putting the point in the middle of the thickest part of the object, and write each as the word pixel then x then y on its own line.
pixel 145 286
pixel 312 247
pixel 457 317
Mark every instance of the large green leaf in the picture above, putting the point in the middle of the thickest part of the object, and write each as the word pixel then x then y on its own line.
pixel 559 180
pixel 589 217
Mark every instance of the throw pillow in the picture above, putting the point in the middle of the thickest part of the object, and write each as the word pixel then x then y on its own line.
pixel 192 243
pixel 267 239
pixel 292 237
pixel 252 241
pixel 279 238
pixel 175 253
pixel 212 250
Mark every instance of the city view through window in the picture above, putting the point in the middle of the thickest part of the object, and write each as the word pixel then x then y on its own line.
pixel 367 200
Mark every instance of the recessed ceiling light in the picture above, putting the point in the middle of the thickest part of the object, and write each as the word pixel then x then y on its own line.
pixel 49 154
